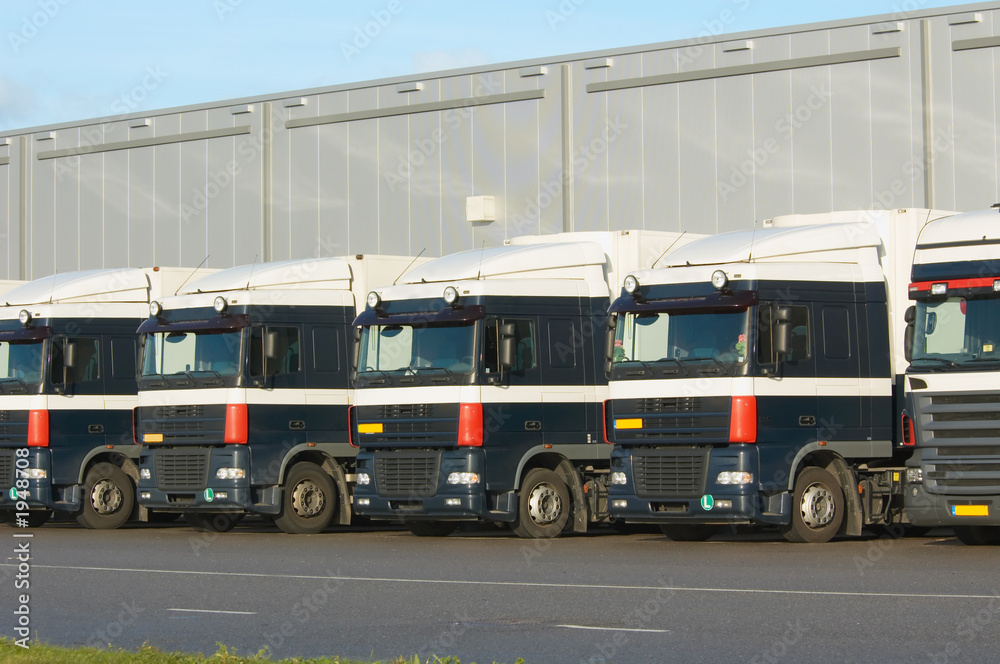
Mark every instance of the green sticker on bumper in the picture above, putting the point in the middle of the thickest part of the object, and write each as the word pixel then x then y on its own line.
pixel 707 502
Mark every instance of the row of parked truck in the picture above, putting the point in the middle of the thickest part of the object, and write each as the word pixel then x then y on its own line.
pixel 819 374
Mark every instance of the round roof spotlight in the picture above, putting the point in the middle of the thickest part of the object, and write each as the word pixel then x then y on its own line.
pixel 631 285
pixel 220 305
pixel 155 309
pixel 451 295
pixel 720 280
pixel 374 300
pixel 24 316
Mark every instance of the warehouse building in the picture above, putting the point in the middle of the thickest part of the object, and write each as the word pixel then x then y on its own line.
pixel 708 135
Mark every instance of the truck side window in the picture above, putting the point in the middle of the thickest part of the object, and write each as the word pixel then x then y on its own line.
pixel 286 359
pixel 799 341
pixel 86 363
pixel 525 345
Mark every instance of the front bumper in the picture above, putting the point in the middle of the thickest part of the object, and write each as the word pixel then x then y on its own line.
pixel 679 485
pixel 395 491
pixel 36 493
pixel 934 509
pixel 184 480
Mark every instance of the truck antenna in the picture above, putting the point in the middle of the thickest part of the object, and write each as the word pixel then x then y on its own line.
pixel 252 268
pixel 753 236
pixel 405 269
pixel 676 240
pixel 482 251
pixel 192 274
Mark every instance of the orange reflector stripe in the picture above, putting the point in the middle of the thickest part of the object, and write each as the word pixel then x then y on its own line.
pixel 236 424
pixel 38 428
pixel 743 420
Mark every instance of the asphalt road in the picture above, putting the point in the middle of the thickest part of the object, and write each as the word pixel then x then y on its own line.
pixel 487 596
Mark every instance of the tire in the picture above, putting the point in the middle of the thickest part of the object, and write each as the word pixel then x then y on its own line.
pixel 543 505
pixel 977 535
pixel 308 501
pixel 432 528
pixel 35 518
pixel 108 498
pixel 688 532
pixel 817 508
pixel 213 522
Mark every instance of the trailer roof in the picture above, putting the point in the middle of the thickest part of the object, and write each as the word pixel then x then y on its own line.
pixel 111 285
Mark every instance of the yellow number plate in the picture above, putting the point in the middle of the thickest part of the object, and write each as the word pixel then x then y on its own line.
pixel 970 510
pixel 635 423
pixel 152 437
pixel 375 427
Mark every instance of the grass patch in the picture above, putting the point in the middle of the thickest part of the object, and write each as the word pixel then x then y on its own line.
pixel 43 653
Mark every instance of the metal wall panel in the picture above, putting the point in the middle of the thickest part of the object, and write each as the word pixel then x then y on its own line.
pixel 707 135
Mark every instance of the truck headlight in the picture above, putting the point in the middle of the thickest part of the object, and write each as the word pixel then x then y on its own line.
pixel 618 477
pixel 230 473
pixel 914 475
pixel 463 478
pixel 737 477
pixel 145 474
pixel 364 479
pixel 32 474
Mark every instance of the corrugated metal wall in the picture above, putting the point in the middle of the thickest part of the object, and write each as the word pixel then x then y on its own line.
pixel 705 135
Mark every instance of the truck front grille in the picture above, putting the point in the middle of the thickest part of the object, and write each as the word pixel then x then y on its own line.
pixel 181 470
pixel 407 474
pixel 667 473
pixel 675 419
pixel 6 469
pixel 960 434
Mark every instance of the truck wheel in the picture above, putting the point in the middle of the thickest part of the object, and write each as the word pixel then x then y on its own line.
pixel 817 508
pixel 213 522
pixel 687 532
pixel 977 535
pixel 34 519
pixel 432 528
pixel 108 497
pixel 308 501
pixel 543 505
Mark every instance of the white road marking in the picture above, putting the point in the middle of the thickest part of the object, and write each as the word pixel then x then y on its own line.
pixel 617 629
pixel 237 613
pixel 520 584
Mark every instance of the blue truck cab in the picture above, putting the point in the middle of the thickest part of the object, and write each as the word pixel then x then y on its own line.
pixel 243 392
pixel 479 385
pixel 756 378
pixel 67 389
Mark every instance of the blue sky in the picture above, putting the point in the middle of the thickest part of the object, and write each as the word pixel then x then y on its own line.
pixel 69 60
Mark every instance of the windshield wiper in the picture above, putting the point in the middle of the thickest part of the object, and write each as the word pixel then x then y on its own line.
pixel 11 379
pixel 941 360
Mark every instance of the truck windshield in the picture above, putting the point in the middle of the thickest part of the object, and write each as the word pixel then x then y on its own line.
pixel 686 339
pixel 957 331
pixel 172 353
pixel 20 364
pixel 449 348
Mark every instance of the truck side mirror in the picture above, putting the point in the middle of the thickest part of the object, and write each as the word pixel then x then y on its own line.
pixel 609 344
pixel 909 317
pixel 507 346
pixel 69 354
pixel 270 349
pixel 355 352
pixel 782 339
